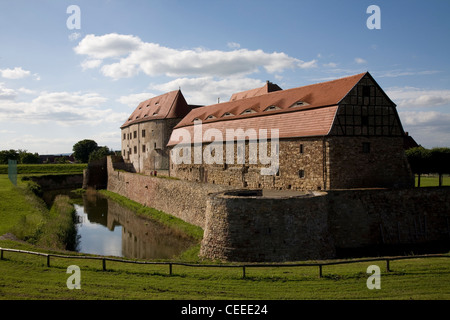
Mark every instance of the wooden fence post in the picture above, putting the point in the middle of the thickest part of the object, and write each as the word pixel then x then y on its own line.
pixel 104 264
pixel 48 260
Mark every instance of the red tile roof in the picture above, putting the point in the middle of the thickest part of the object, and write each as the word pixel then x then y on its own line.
pixel 268 87
pixel 167 106
pixel 297 112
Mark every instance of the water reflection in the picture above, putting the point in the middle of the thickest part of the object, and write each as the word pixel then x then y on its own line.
pixel 107 228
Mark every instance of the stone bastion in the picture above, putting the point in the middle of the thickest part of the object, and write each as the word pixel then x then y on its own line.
pixel 271 226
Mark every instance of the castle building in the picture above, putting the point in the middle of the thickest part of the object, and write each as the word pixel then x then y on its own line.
pixel 339 134
pixel 146 132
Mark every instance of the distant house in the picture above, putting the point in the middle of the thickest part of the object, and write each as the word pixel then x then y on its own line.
pixel 54 158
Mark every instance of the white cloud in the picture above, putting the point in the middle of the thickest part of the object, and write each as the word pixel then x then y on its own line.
pixel 63 108
pixel 360 61
pixel 206 90
pixel 233 45
pixel 133 56
pixel 416 97
pixel 402 73
pixel 428 128
pixel 107 46
pixel 134 99
pixel 91 64
pixel 7 93
pixel 16 73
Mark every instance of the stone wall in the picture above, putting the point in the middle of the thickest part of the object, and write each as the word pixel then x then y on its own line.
pixel 183 199
pixel 242 225
pixel 325 226
pixel 295 155
pixel 255 228
pixel 144 144
pixel 383 164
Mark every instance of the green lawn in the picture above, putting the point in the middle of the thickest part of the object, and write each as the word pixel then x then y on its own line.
pixel 46 168
pixel 27 277
pixel 24 276
pixel 433 181
pixel 16 204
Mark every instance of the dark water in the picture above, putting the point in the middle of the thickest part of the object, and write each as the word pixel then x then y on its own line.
pixel 106 228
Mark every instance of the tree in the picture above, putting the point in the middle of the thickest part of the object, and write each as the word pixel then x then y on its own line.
pixel 100 153
pixel 6 155
pixel 440 162
pixel 82 150
pixel 419 161
pixel 29 158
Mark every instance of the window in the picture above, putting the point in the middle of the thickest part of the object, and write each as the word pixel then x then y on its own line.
pixel 365 120
pixel 135 134
pixel 301 148
pixel 135 149
pixel 247 111
pixel 124 136
pixel 366 147
pixel 210 117
pixel 366 91
pixel 227 114
pixel 299 104
pixel 143 148
pixel 270 108
pixel 301 173
pixel 143 133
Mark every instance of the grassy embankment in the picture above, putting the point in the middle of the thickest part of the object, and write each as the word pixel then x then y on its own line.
pixel 27 277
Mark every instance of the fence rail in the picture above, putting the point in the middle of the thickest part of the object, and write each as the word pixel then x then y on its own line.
pixel 243 266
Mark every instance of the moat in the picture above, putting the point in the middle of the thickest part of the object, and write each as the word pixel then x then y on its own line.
pixel 106 228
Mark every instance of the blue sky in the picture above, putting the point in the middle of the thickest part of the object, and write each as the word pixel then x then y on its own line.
pixel 61 85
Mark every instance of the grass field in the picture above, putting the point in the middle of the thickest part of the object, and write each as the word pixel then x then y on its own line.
pixel 46 168
pixel 25 276
pixel 433 181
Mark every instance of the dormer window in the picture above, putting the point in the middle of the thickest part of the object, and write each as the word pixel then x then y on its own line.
pixel 210 117
pixel 137 117
pixel 299 104
pixel 227 114
pixel 270 108
pixel 247 111
pixel 155 113
pixel 196 119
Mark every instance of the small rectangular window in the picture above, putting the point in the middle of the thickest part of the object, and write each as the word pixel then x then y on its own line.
pixel 366 147
pixel 301 173
pixel 365 120
pixel 135 149
pixel 143 148
pixel 124 136
pixel 135 134
pixel 143 133
pixel 301 148
pixel 366 91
